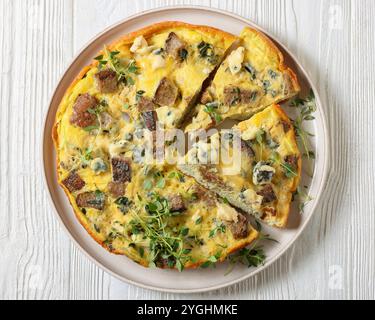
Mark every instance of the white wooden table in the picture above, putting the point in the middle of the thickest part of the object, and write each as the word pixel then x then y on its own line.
pixel 335 256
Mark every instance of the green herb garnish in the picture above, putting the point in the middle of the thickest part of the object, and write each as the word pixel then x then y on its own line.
pixel 259 137
pixel 289 170
pixel 211 109
pixel 123 71
pixel 307 107
pixel 220 228
pixel 179 176
pixel 252 256
pixel 198 221
pixel 303 199
pixel 211 260
pixel 165 244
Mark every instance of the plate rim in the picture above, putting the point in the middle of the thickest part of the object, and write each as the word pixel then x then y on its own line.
pixel 322 183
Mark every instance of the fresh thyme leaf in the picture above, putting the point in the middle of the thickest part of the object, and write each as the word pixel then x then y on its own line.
pixel 141 251
pixel 211 108
pixel 259 137
pixel 177 175
pixel 198 221
pixel 132 67
pixel 179 266
pixel 101 61
pixel 211 260
pixel 306 108
pixel 91 111
pixel 113 54
pixel 161 183
pixel 123 72
pixel 205 265
pixel 90 128
pixel 147 184
pixel 303 198
pixel 86 156
pixel 165 243
pixel 289 170
pixel 225 200
pixel 184 231
pixel 129 81
pixel 221 228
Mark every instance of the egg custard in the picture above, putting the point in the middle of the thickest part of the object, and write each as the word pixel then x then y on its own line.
pixel 252 77
pixel 156 213
pixel 269 170
pixel 149 212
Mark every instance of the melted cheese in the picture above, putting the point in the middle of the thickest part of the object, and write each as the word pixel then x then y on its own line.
pixel 226 213
pixel 235 60
pixel 138 44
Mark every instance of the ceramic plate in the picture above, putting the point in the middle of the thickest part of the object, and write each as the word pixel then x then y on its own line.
pixel 189 280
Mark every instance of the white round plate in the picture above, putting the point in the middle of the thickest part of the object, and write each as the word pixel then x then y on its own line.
pixel 169 280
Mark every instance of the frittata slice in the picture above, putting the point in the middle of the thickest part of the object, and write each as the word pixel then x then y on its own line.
pixel 252 77
pixel 263 182
pixel 171 62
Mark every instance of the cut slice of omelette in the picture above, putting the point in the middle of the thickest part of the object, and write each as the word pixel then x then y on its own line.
pixel 171 60
pixel 263 181
pixel 252 77
pixel 151 213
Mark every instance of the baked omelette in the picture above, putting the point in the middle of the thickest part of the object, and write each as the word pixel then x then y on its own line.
pixel 151 213
pixel 269 171
pixel 252 77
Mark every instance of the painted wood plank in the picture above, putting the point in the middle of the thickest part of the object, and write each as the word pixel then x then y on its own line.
pixel 333 40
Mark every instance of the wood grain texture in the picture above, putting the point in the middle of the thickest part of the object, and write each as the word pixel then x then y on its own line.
pixel 333 40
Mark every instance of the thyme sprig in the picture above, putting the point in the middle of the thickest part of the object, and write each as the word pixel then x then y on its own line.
pixel 288 169
pixel 111 60
pixel 303 198
pixel 165 244
pixel 252 256
pixel 306 107
pixel 211 109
